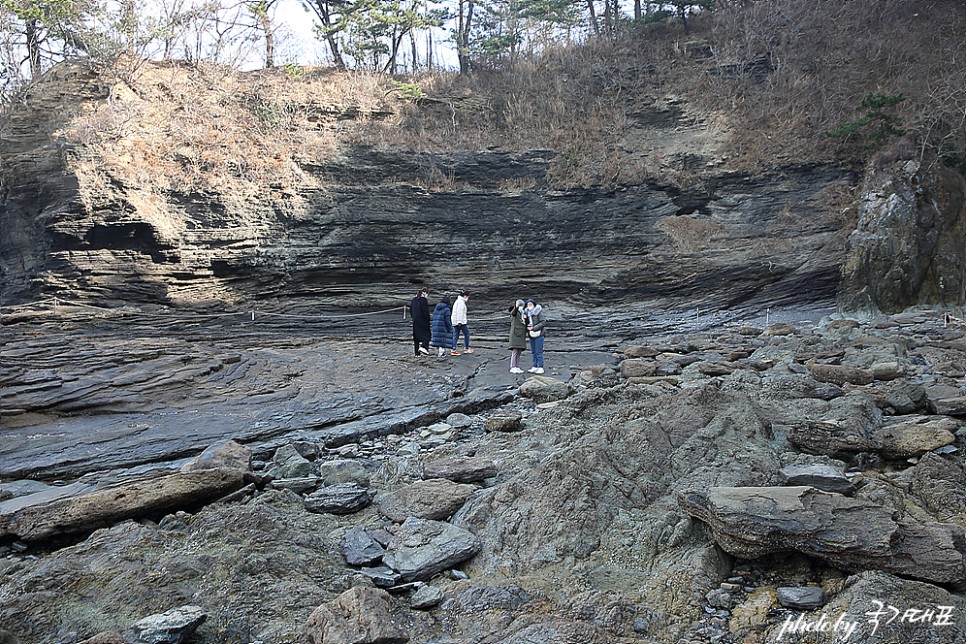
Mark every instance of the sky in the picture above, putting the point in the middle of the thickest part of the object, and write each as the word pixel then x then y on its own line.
pixel 300 45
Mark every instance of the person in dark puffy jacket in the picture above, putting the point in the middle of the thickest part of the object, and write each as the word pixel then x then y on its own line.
pixel 443 336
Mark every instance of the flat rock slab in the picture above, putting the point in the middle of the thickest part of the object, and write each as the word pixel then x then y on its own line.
pixel 902 437
pixel 750 522
pixel 171 627
pixel 429 499
pixel 420 548
pixel 817 475
pixel 840 374
pixel 106 507
pixel 342 498
pixel 461 469
pixel 907 437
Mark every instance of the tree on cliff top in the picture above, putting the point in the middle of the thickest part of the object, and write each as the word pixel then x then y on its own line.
pixel 45 28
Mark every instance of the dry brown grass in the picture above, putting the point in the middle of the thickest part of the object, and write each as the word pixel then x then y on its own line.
pixel 690 234
pixel 820 59
pixel 783 73
pixel 173 127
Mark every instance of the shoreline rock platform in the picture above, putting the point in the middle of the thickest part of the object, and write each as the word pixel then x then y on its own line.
pixel 702 486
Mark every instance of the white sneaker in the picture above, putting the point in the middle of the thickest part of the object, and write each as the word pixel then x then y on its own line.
pixel 516 370
pixel 538 370
pixel 423 351
pixel 532 370
pixel 441 353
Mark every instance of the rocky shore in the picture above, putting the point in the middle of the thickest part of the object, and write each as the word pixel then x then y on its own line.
pixel 728 481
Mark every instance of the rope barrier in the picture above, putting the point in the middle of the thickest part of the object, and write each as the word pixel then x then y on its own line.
pixel 250 313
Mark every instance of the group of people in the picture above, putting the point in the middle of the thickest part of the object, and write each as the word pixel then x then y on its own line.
pixel 443 327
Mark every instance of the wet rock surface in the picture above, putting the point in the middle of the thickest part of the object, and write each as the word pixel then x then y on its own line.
pixel 680 507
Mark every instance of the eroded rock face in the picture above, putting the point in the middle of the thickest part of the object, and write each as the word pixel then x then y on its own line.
pixel 347 231
pixel 907 246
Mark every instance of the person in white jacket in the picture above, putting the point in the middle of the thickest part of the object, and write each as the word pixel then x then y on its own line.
pixel 460 324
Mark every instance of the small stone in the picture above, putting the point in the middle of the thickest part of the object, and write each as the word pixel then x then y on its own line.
pixel 421 548
pixel 429 499
pixel 504 423
pixel 343 498
pixel 172 627
pixel 461 469
pixel 287 463
pixel 827 392
pixel 381 576
pixel 887 370
pixel 222 454
pixel 297 485
pixel 344 470
pixel 360 549
pixel 440 428
pixel 719 598
pixel 426 597
pixel 801 597
pixel 779 329
pixel 641 625
pixel 460 421
pixel 543 389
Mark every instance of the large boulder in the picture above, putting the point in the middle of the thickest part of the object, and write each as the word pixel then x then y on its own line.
pixel 430 499
pixel 543 389
pixel 750 522
pixel 360 615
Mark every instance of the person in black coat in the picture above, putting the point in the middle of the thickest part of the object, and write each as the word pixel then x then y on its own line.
pixel 419 309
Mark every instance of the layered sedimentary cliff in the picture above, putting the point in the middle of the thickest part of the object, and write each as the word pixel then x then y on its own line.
pixel 367 222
